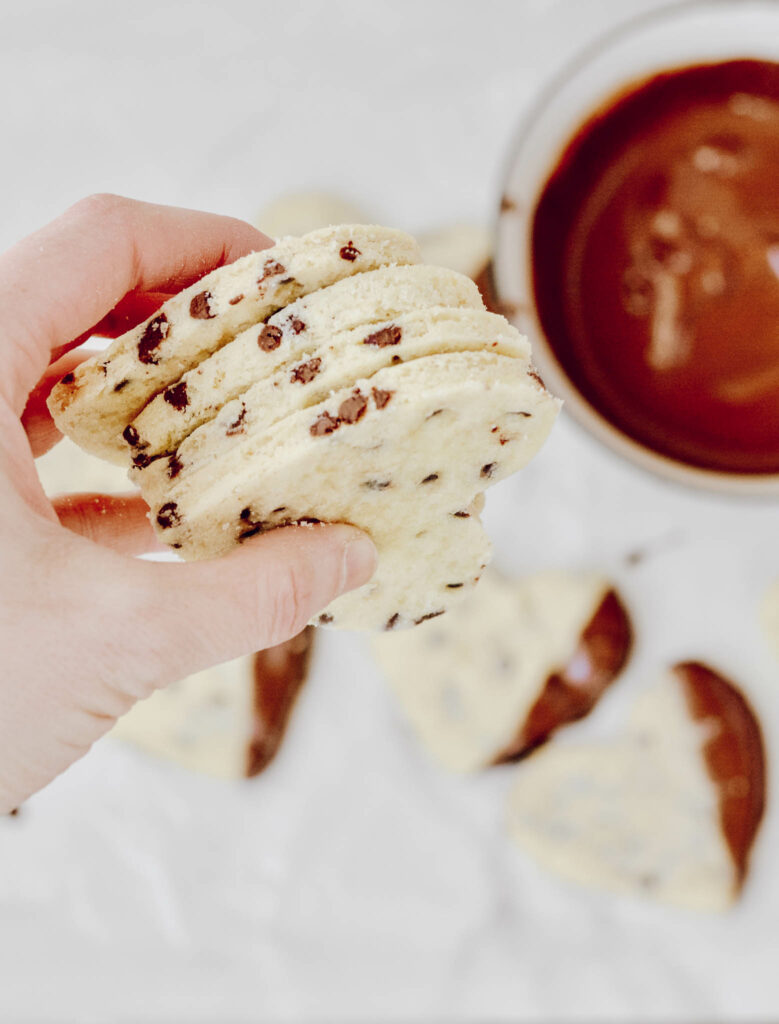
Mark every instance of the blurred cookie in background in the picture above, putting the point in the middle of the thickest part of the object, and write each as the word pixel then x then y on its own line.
pixel 667 810
pixel 228 721
pixel 769 617
pixel 497 675
pixel 66 469
pixel 297 213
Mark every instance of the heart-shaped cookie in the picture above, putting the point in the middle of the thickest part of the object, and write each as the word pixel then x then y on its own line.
pixel 498 675
pixel 670 809
pixel 227 721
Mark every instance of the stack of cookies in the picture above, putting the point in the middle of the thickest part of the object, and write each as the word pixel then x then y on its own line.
pixel 331 378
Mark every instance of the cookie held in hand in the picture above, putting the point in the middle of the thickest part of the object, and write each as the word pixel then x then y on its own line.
pixel 383 395
pixel 94 404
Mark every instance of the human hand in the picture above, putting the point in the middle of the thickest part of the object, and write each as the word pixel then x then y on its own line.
pixel 86 629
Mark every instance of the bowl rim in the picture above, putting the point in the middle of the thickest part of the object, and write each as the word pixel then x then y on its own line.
pixel 746 485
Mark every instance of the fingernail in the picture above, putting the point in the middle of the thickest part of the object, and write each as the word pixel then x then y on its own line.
pixel 359 562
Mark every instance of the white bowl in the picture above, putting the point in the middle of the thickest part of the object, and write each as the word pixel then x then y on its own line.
pixel 674 37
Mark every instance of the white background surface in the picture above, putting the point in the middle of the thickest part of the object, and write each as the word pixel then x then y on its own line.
pixel 354 881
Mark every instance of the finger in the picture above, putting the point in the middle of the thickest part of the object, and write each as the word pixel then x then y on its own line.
pixel 62 280
pixel 36 418
pixel 177 619
pixel 116 521
pixel 130 311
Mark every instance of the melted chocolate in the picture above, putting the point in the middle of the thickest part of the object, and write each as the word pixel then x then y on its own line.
pixel 572 692
pixel 734 754
pixel 656 264
pixel 279 674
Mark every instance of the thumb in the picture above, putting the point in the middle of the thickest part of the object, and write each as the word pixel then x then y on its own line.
pixel 198 614
pixel 116 629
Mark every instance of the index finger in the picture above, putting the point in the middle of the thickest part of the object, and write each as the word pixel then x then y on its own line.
pixel 58 283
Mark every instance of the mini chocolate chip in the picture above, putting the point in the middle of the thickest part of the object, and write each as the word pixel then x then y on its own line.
pixel 286 280
pixel 177 396
pixel 154 332
pixel 236 299
pixel 386 336
pixel 353 408
pixel 245 513
pixel 306 372
pixel 174 466
pixel 13 813
pixel 269 338
pixel 392 621
pixel 349 252
pixel 454 586
pixel 296 325
pixel 142 460
pixel 200 306
pixel 381 397
pixel 176 545
pixel 377 485
pixel 430 615
pixel 168 515
pixel 131 436
pixel 237 426
pixel 251 531
pixel 68 378
pixel 536 376
pixel 271 269
pixel 396 360
pixel 281 508
pixel 325 619
pixel 429 479
pixel 122 384
pixel 462 514
pixel 324 424
pixel 488 469
pixel 104 368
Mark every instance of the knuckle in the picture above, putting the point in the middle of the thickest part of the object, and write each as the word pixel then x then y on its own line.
pixel 102 206
pixel 290 604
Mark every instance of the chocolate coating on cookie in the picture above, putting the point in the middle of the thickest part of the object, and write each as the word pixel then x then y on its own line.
pixel 572 692
pixel 279 674
pixel 734 755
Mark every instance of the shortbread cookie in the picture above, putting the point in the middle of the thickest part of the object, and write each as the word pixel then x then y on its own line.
pixel 507 667
pixel 669 810
pixel 227 721
pixel 94 403
pixel 466 248
pixel 67 469
pixel 400 455
pixel 769 617
pixel 297 213
pixel 370 304
pixel 313 375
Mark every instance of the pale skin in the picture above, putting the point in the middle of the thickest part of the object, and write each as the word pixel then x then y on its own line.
pixel 86 629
